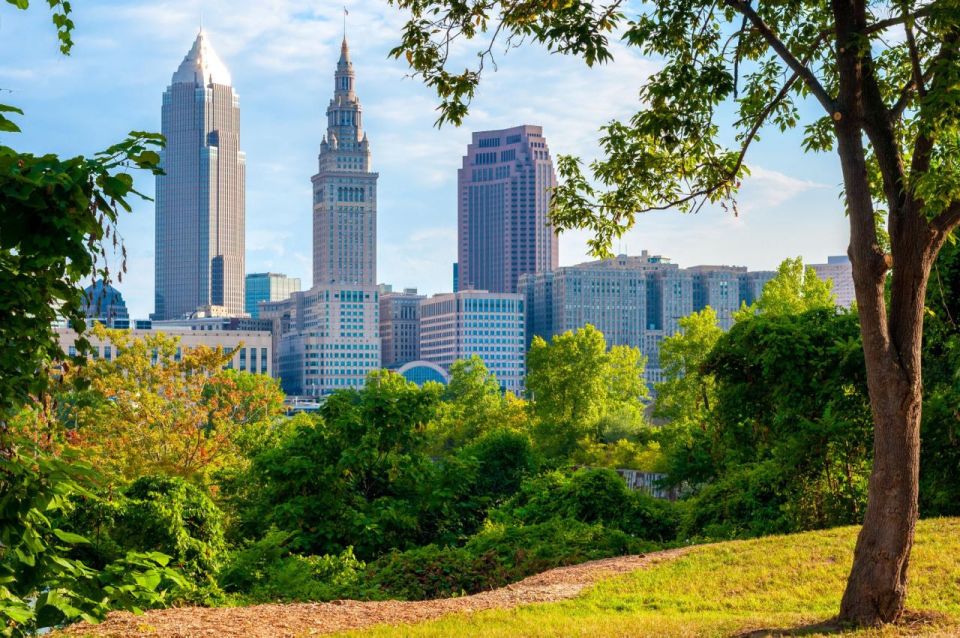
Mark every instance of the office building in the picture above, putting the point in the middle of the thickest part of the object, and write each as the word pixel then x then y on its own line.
pixel 399 326
pixel 251 349
pixel 634 300
pixel 328 338
pixel 839 270
pixel 267 286
pixel 200 195
pixel 504 191
pixel 490 325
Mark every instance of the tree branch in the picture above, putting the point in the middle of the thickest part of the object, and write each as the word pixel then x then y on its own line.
pixel 948 220
pixel 798 67
pixel 882 25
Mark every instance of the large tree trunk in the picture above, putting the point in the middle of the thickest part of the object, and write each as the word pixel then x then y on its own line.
pixel 876 588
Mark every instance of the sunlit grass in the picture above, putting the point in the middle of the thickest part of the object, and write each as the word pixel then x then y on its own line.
pixel 729 589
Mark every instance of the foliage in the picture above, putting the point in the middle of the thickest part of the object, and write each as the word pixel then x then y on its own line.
pixel 472 404
pixel 940 433
pixel 503 458
pixel 266 571
pixel 170 515
pixel 157 408
pixel 795 289
pixel 687 394
pixel 590 496
pixel 357 476
pixel 574 381
pixel 788 442
pixel 42 582
pixel 59 227
pixel 495 557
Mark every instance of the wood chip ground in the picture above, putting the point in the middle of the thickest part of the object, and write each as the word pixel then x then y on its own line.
pixel 316 619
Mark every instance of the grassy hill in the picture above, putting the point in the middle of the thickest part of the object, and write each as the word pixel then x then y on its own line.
pixel 767 586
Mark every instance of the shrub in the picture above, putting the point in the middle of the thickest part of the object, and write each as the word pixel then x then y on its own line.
pixel 265 571
pixel 504 458
pixel 495 557
pixel 172 516
pixel 591 496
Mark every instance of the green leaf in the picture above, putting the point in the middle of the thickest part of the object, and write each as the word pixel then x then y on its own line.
pixel 70 537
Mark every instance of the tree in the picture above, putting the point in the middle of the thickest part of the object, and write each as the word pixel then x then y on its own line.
pixel 884 76
pixel 574 380
pixel 795 289
pixel 357 475
pixel 59 228
pixel 472 406
pixel 157 408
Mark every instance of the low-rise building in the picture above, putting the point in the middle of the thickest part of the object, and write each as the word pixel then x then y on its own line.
pixel 490 325
pixel 252 350
pixel 399 326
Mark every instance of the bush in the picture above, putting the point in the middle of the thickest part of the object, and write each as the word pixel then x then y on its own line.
pixel 591 496
pixel 495 557
pixel 265 571
pixel 504 458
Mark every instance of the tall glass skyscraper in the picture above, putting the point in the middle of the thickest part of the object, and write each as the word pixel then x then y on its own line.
pixel 503 199
pixel 328 337
pixel 200 196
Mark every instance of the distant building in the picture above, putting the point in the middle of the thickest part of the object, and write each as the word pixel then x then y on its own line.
pixel 503 198
pixel 104 304
pixel 634 300
pixel 839 270
pixel 456 277
pixel 421 372
pixel 200 195
pixel 252 350
pixel 491 325
pixel 399 326
pixel 268 286
pixel 328 338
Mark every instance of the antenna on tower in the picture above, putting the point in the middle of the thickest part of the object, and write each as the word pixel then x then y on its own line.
pixel 345 14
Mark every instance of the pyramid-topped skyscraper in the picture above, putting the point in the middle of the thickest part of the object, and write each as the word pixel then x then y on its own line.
pixel 200 197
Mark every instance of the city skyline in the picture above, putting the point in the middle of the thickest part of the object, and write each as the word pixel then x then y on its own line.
pixel 278 56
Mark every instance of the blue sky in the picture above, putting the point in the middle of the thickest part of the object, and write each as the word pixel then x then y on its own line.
pixel 282 54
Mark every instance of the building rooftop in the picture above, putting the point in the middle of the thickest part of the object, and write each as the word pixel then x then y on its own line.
pixel 202 65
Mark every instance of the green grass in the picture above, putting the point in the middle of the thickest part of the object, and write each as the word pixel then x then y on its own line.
pixel 776 583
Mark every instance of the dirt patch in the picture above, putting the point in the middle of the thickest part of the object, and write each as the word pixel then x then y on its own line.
pixel 314 619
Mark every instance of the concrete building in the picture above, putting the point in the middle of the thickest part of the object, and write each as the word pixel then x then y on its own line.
pixel 252 350
pixel 399 326
pixel 328 338
pixel 200 197
pixel 491 325
pixel 104 304
pixel 839 270
pixel 268 286
pixel 503 199
pixel 634 300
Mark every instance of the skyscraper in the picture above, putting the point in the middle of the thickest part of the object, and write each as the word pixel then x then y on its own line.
pixel 200 196
pixel 328 337
pixel 503 200
pixel 344 191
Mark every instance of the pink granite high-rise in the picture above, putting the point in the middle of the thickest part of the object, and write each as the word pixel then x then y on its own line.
pixel 503 198
pixel 200 196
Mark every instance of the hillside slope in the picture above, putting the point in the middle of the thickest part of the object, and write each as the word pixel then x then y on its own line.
pixel 778 585
pixel 760 587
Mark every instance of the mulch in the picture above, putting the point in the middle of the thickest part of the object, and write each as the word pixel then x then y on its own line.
pixel 315 619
